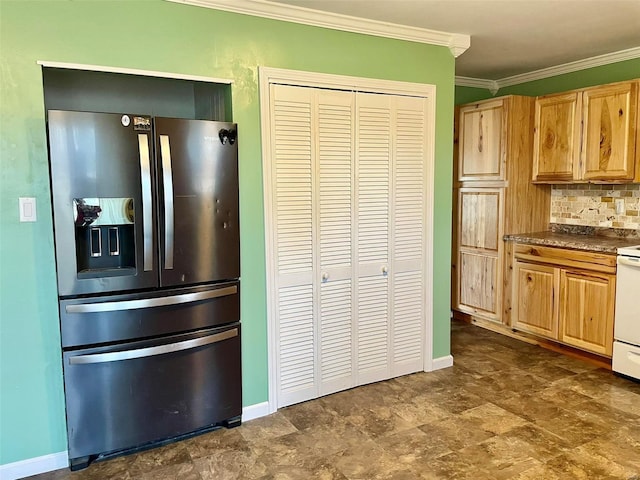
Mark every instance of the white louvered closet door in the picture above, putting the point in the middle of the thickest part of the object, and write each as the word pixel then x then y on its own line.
pixel 408 235
pixel 373 174
pixel 348 227
pixel 292 143
pixel 335 113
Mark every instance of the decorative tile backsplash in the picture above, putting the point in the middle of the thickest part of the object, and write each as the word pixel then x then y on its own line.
pixel 595 205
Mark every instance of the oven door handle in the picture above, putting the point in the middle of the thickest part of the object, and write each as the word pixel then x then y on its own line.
pixel 629 261
pixel 150 302
pixel 152 351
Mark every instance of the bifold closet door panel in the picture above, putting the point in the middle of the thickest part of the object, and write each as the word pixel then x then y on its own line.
pixel 312 140
pixel 292 144
pixel 334 187
pixel 373 184
pixel 348 224
pixel 408 235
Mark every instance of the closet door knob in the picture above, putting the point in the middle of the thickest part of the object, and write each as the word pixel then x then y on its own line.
pixel 385 270
pixel 325 277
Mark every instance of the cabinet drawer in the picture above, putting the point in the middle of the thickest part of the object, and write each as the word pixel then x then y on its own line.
pixel 598 262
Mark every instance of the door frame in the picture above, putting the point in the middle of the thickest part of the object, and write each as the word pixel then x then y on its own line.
pixel 269 76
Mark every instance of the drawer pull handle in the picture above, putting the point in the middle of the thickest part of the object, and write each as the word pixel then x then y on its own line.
pixel 634 357
pixel 151 351
pixel 150 302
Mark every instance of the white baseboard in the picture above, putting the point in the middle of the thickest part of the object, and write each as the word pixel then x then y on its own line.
pixel 442 362
pixel 34 466
pixel 255 411
pixel 56 461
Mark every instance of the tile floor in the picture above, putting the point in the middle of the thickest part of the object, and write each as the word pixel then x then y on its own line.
pixel 506 410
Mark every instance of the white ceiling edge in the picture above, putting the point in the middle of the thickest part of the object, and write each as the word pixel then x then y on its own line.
pixel 457 43
pixel 494 85
pixel 132 71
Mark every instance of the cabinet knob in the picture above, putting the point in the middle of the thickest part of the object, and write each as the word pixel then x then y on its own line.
pixel 325 276
pixel 384 270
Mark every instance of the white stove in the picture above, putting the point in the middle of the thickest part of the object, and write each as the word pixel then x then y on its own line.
pixel 626 345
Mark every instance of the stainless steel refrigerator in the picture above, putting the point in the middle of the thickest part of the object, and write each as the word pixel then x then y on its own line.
pixel 148 263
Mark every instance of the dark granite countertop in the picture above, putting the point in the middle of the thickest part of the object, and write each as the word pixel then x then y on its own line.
pixel 586 238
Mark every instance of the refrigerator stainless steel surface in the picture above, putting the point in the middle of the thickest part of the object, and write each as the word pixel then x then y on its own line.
pixel 148 264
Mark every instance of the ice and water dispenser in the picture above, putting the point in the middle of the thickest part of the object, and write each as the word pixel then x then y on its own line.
pixel 105 236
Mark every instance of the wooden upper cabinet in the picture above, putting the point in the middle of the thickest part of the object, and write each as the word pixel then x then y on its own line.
pixel 556 141
pixel 609 126
pixel 482 136
pixel 587 135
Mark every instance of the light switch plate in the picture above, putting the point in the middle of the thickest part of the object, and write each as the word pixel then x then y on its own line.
pixel 27 209
pixel 619 206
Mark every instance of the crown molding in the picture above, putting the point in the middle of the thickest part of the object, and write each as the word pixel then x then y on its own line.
pixel 494 85
pixel 571 67
pixel 490 85
pixel 456 42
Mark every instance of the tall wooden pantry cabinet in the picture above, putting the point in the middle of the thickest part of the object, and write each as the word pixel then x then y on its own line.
pixel 493 196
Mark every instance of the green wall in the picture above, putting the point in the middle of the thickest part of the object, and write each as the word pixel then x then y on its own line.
pixel 164 36
pixel 470 94
pixel 615 72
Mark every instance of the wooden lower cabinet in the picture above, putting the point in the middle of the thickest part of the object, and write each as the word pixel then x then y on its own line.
pixel 478 281
pixel 587 311
pixel 536 308
pixel 557 296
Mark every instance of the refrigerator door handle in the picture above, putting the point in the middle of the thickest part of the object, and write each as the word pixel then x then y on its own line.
pixel 167 187
pixel 150 302
pixel 151 351
pixel 145 182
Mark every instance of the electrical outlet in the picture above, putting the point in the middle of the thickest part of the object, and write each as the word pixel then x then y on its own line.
pixel 619 206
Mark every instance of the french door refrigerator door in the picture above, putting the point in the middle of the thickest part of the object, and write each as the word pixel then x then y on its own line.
pixel 127 395
pixel 198 184
pixel 102 188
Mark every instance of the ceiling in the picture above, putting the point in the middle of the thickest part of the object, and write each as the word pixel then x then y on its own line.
pixel 509 37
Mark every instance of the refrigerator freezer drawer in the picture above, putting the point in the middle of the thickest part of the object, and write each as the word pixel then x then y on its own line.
pixel 88 321
pixel 125 396
pixel 626 359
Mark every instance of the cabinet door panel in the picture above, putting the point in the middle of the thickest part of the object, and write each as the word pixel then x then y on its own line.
pixel 556 141
pixel 478 282
pixel 481 144
pixel 479 218
pixel 535 305
pixel 609 116
pixel 587 311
